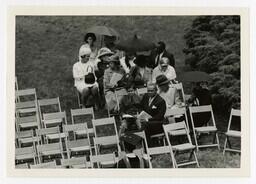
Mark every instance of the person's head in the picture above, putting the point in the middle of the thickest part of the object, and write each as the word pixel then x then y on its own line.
pixel 152 89
pixel 114 62
pixel 163 83
pixel 164 62
pixel 160 47
pixel 90 38
pixel 130 55
pixel 104 54
pixel 84 54
pixel 141 61
pixel 204 84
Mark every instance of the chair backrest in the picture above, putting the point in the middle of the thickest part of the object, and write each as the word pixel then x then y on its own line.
pixel 58 117
pixel 234 113
pixel 23 135
pixel 26 93
pixel 75 161
pixel 48 165
pixel 104 122
pixel 23 121
pixel 50 102
pixel 43 132
pixel 49 147
pixel 201 109
pixel 177 111
pixel 141 91
pixel 180 90
pixel 81 112
pixel 157 151
pixel 25 105
pixel 102 158
pixel 26 152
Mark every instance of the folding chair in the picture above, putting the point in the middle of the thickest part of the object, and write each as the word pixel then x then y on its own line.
pixel 27 123
pixel 103 160
pixel 26 138
pixel 25 154
pixel 180 90
pixel 231 132
pixel 80 114
pixel 26 94
pixel 26 108
pixel 174 130
pixel 75 162
pixel 76 145
pixel 48 165
pixel 51 104
pixel 208 129
pixel 22 166
pixel 45 135
pixel 49 150
pixel 54 119
pixel 157 151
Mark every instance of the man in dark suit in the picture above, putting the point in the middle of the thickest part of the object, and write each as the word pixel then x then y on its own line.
pixel 155 106
pixel 159 53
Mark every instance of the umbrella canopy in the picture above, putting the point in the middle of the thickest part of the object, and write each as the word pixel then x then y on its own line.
pixel 135 45
pixel 194 76
pixel 103 30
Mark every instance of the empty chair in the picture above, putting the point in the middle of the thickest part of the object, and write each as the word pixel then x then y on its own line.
pixel 26 138
pixel 207 128
pixel 22 166
pixel 52 151
pixel 54 119
pixel 46 135
pixel 233 131
pixel 75 162
pixel 103 160
pixel 173 133
pixel 26 95
pixel 48 106
pixel 76 145
pixel 180 91
pixel 26 154
pixel 84 115
pixel 27 122
pixel 47 165
pixel 26 108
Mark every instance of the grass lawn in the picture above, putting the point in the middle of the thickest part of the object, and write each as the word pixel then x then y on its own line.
pixel 47 48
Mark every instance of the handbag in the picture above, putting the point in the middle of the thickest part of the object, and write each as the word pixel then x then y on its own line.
pixel 89 78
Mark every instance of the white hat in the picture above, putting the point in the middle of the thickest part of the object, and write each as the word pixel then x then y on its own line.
pixel 84 51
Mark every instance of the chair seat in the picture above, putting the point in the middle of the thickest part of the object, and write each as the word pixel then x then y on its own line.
pixel 55 136
pixel 206 129
pixel 24 157
pixel 80 148
pixel 184 147
pixel 51 152
pixel 178 132
pixel 108 163
pixel 27 110
pixel 233 133
pixel 157 135
pixel 29 125
pixel 52 121
pixel 83 132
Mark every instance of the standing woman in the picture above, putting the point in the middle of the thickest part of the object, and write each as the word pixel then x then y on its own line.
pixel 89 40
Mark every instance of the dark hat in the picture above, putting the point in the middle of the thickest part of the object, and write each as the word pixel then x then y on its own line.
pixel 90 35
pixel 140 60
pixel 162 80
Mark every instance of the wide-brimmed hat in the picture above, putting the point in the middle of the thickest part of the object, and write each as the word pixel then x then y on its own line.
pixel 104 51
pixel 162 80
pixel 92 35
pixel 84 51
pixel 114 59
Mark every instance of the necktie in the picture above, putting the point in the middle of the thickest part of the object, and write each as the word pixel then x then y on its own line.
pixel 157 59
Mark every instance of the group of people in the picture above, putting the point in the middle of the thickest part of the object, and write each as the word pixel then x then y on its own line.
pixel 99 73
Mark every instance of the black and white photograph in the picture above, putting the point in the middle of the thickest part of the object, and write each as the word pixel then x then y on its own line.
pixel 127 92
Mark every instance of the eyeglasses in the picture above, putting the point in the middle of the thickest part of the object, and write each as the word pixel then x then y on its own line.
pixel 85 56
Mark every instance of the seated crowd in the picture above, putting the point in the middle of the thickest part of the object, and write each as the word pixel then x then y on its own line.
pixel 97 78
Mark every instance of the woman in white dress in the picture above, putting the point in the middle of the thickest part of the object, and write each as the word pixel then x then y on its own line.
pixel 89 40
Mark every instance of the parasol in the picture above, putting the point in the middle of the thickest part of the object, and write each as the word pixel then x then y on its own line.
pixel 194 76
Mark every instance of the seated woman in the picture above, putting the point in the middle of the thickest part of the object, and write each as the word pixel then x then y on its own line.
pixel 114 77
pixel 84 76
pixel 139 74
pixel 89 40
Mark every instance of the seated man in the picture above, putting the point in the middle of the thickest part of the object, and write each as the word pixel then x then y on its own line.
pixel 155 106
pixel 164 69
pixel 84 76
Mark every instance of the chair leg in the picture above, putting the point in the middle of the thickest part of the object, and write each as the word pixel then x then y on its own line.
pixel 197 163
pixel 195 134
pixel 217 139
pixel 225 144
